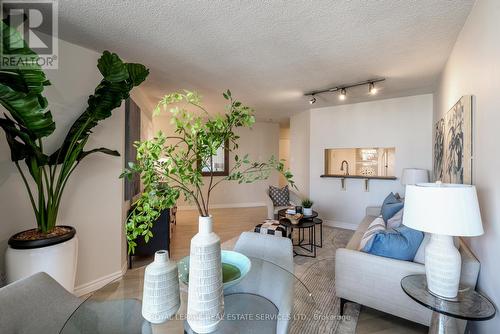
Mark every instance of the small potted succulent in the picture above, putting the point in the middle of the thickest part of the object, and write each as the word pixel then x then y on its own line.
pixel 307 205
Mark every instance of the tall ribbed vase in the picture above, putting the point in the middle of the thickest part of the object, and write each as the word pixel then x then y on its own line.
pixel 161 297
pixel 206 294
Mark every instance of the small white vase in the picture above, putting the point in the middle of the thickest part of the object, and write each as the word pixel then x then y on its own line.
pixel 307 211
pixel 161 297
pixel 205 307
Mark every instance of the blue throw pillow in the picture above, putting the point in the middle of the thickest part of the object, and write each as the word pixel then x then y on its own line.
pixel 391 206
pixel 400 243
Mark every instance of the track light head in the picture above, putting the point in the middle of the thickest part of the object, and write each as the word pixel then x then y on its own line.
pixel 312 100
pixel 343 94
pixel 372 89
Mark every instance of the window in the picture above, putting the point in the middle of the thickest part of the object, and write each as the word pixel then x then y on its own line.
pixel 218 163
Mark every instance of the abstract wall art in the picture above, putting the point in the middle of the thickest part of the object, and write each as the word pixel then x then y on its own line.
pixel 453 144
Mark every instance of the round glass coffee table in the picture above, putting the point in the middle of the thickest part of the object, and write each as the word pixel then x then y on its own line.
pixel 116 308
pixel 469 305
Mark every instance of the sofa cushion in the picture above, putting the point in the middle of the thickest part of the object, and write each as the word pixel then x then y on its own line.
pixel 391 206
pixel 376 226
pixel 279 196
pixel 400 243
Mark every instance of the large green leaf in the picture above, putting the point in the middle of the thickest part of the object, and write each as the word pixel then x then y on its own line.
pixel 119 79
pixel 104 150
pixel 20 143
pixel 112 68
pixel 21 88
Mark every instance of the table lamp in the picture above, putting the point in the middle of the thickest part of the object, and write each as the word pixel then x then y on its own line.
pixel 445 211
pixel 414 176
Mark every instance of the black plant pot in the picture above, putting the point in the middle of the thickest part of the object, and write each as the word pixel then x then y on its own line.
pixel 42 242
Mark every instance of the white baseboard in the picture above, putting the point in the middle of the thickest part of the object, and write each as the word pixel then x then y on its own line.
pixel 96 284
pixel 225 206
pixel 334 223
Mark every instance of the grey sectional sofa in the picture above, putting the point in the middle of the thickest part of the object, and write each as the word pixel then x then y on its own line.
pixel 374 281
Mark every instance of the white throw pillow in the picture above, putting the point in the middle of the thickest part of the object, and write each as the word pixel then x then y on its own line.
pixel 375 226
pixel 396 220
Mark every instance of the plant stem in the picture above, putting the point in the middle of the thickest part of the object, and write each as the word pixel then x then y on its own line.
pixel 32 200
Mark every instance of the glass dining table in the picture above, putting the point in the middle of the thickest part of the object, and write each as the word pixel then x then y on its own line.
pixel 250 306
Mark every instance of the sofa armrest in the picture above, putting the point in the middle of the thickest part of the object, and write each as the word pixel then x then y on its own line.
pixel 375 281
pixel 269 205
pixel 373 211
pixel 470 266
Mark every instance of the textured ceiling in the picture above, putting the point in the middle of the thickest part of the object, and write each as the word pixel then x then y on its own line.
pixel 270 52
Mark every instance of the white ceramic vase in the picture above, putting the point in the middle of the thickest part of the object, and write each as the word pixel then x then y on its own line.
pixel 205 307
pixel 59 261
pixel 161 297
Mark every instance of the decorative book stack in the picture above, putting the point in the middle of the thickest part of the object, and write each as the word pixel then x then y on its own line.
pixel 206 294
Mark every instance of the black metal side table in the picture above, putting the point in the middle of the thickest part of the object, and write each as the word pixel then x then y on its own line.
pixel 302 226
pixel 469 305
pixel 319 222
pixel 282 214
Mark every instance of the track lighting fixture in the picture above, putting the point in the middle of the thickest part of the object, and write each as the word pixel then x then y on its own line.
pixel 343 89
pixel 343 94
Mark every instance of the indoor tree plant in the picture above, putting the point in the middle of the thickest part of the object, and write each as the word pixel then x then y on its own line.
pixel 44 175
pixel 171 166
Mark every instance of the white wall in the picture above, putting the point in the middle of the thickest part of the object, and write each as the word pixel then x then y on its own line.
pixel 474 68
pixel 260 143
pixel 404 123
pixel 93 199
pixel 299 151
pixel 284 152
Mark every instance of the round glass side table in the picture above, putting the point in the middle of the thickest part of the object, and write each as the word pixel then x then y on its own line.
pixel 469 305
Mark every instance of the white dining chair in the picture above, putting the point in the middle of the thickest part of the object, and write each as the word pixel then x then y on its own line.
pixel 274 278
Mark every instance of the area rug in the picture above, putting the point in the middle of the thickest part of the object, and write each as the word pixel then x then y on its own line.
pixel 318 274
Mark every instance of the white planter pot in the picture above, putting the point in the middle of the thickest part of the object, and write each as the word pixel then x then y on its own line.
pixel 58 260
pixel 205 307
pixel 307 211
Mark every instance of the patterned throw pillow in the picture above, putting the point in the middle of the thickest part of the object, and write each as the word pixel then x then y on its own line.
pixel 280 197
pixel 376 226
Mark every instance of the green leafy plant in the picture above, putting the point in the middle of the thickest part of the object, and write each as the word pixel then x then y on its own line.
pixel 30 122
pixel 307 203
pixel 168 165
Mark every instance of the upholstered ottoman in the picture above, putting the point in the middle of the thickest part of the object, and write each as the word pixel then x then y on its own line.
pixel 271 227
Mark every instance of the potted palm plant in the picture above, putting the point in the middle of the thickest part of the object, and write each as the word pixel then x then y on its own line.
pixel 171 166
pixel 50 247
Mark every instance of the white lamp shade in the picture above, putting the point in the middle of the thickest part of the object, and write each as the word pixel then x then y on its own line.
pixel 414 176
pixel 448 209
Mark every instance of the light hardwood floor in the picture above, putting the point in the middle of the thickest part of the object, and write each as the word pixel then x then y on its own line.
pixel 229 223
